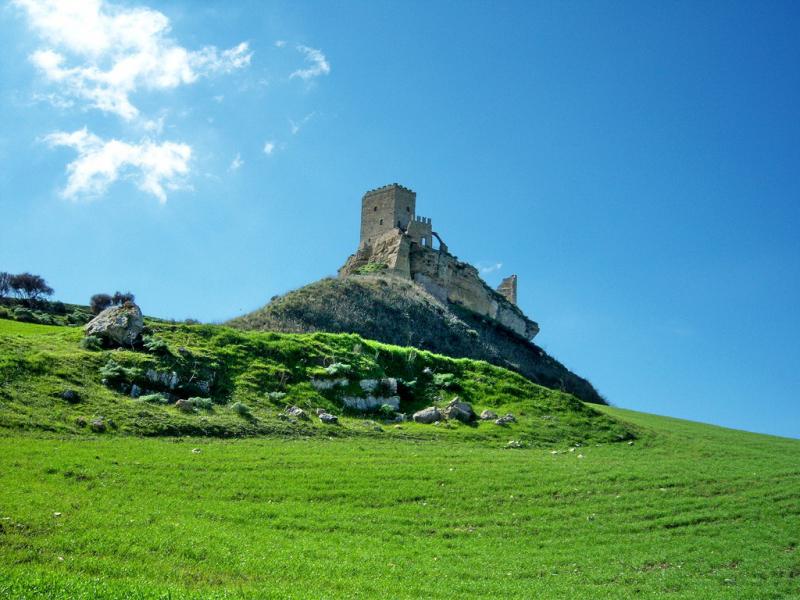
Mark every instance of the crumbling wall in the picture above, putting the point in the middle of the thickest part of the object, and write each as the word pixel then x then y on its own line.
pixel 508 288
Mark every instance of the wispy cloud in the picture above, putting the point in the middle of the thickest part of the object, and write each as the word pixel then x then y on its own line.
pixel 102 53
pixel 486 268
pixel 280 43
pixel 269 147
pixel 155 167
pixel 319 64
pixel 236 163
pixel 296 126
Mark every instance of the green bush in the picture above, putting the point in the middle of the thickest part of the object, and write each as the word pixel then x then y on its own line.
pixel 114 373
pixel 386 411
pixel 338 368
pixel 201 403
pixel 372 267
pixel 24 314
pixel 241 409
pixel 91 342
pixel 154 399
pixel 155 345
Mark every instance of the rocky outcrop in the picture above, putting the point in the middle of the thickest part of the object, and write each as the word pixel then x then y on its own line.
pixel 117 325
pixel 442 275
pixel 427 415
pixel 459 410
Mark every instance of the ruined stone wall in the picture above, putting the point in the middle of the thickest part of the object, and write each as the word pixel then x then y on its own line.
pixel 385 208
pixel 449 279
pixel 443 276
pixel 420 230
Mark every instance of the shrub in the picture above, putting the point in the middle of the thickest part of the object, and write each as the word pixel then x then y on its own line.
pixel 372 267
pixel 445 381
pixel 92 342
pixel 241 409
pixel 5 283
pixel 99 302
pixel 155 345
pixel 157 398
pixel 202 403
pixel 386 411
pixel 24 314
pixel 113 372
pixel 276 396
pixel 338 368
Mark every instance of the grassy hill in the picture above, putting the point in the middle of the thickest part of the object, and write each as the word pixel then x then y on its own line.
pixel 243 381
pixel 397 311
pixel 303 510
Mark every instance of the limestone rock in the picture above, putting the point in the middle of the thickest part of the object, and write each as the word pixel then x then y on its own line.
pixel 488 415
pixel 119 325
pixel 459 410
pixel 371 402
pixel 297 413
pixel 506 420
pixel 98 425
pixel 328 418
pixel 427 415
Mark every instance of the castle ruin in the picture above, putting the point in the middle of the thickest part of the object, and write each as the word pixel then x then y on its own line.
pixel 395 240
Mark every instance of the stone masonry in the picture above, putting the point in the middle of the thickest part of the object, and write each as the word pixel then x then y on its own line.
pixel 395 240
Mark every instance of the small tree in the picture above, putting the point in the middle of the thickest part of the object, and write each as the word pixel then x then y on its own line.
pixel 5 284
pixel 29 286
pixel 99 302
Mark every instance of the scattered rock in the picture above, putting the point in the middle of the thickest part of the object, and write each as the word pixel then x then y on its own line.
pixel 195 450
pixel 398 426
pixel 630 443
pixel 319 411
pixel 427 415
pixel 56 514
pixel 80 421
pixel 488 415
pixel 98 425
pixel 136 391
pixel 461 411
pixel 581 456
pixel 297 412
pixel 328 418
pixel 118 325
pixel 514 444
pixel 71 396
pixel 505 420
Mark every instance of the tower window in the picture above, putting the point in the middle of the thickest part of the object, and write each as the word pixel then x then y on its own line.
pixel 375 209
pixel 381 222
pixel 408 209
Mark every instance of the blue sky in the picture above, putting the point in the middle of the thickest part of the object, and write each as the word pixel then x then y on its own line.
pixel 636 164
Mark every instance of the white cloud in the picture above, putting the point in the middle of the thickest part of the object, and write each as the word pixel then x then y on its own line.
pixel 103 53
pixel 155 167
pixel 280 43
pixel 319 64
pixel 269 147
pixel 236 163
pixel 490 267
pixel 296 126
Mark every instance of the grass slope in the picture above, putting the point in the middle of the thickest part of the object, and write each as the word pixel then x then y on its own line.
pixel 266 372
pixel 687 511
pixel 397 311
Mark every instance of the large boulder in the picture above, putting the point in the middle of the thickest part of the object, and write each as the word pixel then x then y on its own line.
pixel 428 415
pixel 118 325
pixel 460 411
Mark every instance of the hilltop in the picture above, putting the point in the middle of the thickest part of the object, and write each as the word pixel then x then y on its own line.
pixel 398 311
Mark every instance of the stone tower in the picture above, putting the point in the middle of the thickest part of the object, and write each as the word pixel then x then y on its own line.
pixel 508 287
pixel 385 208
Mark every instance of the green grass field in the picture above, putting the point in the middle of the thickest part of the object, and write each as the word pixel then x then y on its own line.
pixel 684 511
